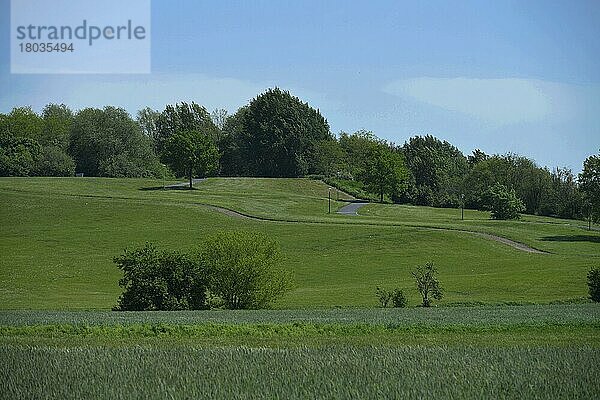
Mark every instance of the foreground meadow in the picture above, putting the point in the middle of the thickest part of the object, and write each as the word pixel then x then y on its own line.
pixel 545 351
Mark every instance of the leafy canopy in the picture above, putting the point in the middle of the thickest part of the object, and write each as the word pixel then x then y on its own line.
pixel 244 269
pixel 191 153
pixel 160 280
pixel 589 182
pixel 276 135
pixel 503 203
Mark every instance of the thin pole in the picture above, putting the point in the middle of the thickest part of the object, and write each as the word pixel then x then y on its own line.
pixel 329 192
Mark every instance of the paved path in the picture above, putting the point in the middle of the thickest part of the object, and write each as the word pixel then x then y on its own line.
pixel 351 209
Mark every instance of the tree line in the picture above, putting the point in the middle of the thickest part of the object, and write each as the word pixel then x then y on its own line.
pixel 278 135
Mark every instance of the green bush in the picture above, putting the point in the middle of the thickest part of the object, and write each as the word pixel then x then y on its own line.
pixel 396 297
pixel 55 162
pixel 244 269
pixel 503 203
pixel 160 280
pixel 384 296
pixel 593 279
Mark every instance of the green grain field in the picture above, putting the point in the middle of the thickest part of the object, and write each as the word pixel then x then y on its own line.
pixel 548 351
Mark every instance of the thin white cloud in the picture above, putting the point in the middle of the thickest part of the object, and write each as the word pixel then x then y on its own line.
pixel 134 92
pixel 495 101
pixel 154 91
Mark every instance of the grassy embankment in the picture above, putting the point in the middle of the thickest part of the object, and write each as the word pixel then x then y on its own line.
pixel 59 236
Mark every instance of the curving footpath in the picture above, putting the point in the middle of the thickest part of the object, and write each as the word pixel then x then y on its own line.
pixel 352 210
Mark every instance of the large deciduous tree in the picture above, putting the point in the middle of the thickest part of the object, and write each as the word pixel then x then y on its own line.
pixel 384 172
pixel 589 182
pixel 503 202
pixel 190 153
pixel 183 117
pixel 275 135
pixel 437 171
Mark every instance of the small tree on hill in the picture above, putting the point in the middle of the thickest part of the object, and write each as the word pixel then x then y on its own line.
pixel 396 297
pixel 191 153
pixel 427 283
pixel 384 296
pixel 503 203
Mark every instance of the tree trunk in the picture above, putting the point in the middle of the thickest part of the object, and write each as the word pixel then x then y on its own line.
pixel 190 177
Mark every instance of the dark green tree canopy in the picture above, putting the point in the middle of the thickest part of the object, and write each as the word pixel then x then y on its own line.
pixel 437 170
pixel 147 119
pixel 109 142
pixel 531 183
pixel 278 135
pixel 57 121
pixel 358 149
pixel 589 182
pixel 35 145
pixel 180 118
pixel 232 149
pixel 18 155
pixel 160 280
pixel 384 172
pixel 22 122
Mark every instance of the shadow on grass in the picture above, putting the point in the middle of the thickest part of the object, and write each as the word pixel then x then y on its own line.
pixel 572 238
pixel 145 189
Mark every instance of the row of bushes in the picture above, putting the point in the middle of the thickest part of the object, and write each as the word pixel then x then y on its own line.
pixel 233 270
pixel 429 287
pixel 239 270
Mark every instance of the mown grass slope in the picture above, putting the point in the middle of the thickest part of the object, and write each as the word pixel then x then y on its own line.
pixel 59 235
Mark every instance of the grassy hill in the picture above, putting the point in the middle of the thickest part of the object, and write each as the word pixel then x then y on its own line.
pixel 58 237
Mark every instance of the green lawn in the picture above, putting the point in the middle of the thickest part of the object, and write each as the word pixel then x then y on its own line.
pixel 59 236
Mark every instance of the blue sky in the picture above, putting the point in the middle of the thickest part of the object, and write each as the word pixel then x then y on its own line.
pixel 502 76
